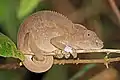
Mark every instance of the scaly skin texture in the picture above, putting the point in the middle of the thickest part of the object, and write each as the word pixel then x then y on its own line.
pixel 81 39
pixel 34 38
pixel 47 31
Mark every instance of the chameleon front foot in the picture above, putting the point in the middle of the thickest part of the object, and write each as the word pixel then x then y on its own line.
pixel 69 50
pixel 38 65
pixel 61 54
pixel 58 53
pixel 65 53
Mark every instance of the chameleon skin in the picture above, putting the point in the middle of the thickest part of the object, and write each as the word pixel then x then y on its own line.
pixel 86 39
pixel 34 37
pixel 47 31
pixel 81 39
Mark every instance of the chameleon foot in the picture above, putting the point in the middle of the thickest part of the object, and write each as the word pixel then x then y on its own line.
pixel 74 54
pixel 71 51
pixel 66 54
pixel 58 53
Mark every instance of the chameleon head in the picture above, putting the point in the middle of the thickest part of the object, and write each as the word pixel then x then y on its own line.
pixel 89 40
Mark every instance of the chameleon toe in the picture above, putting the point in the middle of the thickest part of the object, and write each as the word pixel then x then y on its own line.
pixel 67 55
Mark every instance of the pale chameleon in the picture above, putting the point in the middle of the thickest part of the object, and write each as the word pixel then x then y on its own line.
pixel 48 31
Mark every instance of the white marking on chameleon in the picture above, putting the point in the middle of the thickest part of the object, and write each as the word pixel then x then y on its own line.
pixel 68 49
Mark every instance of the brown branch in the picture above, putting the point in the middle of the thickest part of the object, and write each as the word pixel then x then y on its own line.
pixel 10 66
pixel 114 8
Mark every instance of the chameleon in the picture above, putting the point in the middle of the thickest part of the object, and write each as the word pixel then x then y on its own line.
pixel 49 31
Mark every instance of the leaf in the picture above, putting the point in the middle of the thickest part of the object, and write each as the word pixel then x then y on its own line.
pixel 8 48
pixel 26 6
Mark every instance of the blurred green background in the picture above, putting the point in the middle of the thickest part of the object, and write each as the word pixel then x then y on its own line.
pixel 96 15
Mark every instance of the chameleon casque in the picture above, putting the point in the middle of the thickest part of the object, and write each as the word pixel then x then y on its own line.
pixel 47 31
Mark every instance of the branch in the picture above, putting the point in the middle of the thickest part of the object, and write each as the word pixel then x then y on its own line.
pixel 106 60
pixel 92 51
pixel 99 50
pixel 10 66
pixel 72 61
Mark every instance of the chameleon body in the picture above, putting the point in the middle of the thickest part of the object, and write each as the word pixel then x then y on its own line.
pixel 47 31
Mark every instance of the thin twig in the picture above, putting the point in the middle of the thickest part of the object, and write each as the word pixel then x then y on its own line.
pixel 105 60
pixel 72 61
pixel 114 8
pixel 92 51
pixel 99 50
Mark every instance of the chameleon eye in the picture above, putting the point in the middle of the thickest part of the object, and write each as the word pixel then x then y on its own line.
pixel 88 34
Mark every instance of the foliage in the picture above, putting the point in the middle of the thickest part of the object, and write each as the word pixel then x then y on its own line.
pixel 94 14
pixel 8 48
pixel 9 13
pixel 26 9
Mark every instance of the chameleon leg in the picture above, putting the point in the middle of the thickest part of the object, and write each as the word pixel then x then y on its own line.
pixel 74 54
pixel 69 50
pixel 58 53
pixel 38 54
pixel 37 62
pixel 60 44
pixel 66 54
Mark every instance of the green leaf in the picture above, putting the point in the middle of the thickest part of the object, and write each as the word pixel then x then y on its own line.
pixel 26 6
pixel 8 48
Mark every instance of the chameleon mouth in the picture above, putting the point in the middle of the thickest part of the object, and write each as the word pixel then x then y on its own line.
pixel 99 44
